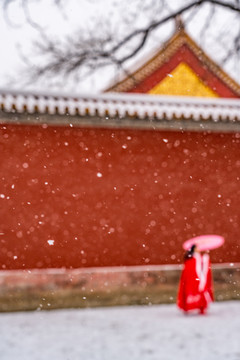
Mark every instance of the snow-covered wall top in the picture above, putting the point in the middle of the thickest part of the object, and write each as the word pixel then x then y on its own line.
pixel 122 105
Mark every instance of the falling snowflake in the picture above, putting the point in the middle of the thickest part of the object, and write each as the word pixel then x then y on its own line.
pixel 50 242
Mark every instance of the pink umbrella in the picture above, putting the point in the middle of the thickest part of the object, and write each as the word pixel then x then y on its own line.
pixel 204 242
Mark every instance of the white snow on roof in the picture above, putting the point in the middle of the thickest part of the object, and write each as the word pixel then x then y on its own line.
pixel 122 105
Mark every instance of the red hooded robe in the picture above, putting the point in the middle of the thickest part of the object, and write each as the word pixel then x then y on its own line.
pixel 195 288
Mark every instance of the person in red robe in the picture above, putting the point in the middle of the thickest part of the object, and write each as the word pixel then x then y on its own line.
pixel 195 288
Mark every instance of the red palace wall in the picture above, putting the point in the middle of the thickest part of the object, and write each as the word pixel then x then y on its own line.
pixel 73 197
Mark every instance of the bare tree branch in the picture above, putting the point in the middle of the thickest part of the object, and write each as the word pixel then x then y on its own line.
pixel 207 22
pixel 69 55
pixel 25 6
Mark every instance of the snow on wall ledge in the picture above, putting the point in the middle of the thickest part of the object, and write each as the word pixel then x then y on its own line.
pixel 122 105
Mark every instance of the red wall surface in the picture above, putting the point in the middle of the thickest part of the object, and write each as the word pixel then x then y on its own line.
pixel 73 197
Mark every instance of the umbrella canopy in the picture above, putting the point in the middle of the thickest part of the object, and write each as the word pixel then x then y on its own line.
pixel 204 242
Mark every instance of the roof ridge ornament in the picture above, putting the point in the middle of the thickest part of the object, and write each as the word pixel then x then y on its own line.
pixel 179 23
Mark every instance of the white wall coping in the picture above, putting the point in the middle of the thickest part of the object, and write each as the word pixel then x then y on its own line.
pixel 122 105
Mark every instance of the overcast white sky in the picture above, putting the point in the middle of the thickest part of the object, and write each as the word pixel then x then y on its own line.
pixel 17 35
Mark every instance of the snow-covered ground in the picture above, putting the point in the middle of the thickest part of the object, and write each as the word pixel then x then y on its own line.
pixel 121 333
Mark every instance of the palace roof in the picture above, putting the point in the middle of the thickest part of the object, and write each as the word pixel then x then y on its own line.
pixel 179 68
